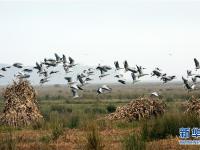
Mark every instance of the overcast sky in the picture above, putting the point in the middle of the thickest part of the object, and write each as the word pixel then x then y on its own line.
pixel 163 33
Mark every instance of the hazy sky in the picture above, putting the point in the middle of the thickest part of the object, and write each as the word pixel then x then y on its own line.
pixel 155 33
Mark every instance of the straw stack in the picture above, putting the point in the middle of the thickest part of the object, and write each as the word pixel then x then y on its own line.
pixel 20 105
pixel 138 109
pixel 193 106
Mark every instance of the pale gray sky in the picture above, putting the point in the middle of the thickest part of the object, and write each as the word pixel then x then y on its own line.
pixel 143 32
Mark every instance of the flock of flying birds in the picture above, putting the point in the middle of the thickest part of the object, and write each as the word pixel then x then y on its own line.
pixel 85 76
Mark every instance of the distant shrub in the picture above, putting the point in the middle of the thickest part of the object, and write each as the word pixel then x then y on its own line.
pixel 46 114
pixel 128 96
pixel 59 97
pixel 98 110
pixel 61 109
pixel 95 110
pixel 134 142
pixel 47 97
pixel 169 99
pixel 120 96
pixel 111 108
pixel 73 122
pixel 87 110
pixel 67 101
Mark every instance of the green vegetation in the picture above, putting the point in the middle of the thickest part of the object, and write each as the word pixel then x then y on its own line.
pixel 73 122
pixel 95 110
pixel 8 142
pixel 61 109
pixel 94 141
pixel 45 139
pixel 134 142
pixel 57 131
pixel 111 108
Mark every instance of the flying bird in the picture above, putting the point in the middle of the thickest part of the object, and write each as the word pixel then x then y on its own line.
pixel 74 89
pixel 103 70
pixel 80 79
pixel 126 65
pixel 38 67
pixel 5 68
pixel 166 79
pixel 118 76
pixel 76 86
pixel 1 75
pixel 140 71
pixel 116 63
pixel 133 70
pixel 53 72
pixel 66 68
pixel 188 86
pixel 122 81
pixel 156 73
pixel 58 58
pixel 154 94
pixel 189 73
pixel 194 79
pixel 71 62
pixel 88 79
pixel 22 75
pixel 28 70
pixel 69 80
pixel 64 59
pixel 44 80
pixel 134 77
pixel 103 89
pixel 18 65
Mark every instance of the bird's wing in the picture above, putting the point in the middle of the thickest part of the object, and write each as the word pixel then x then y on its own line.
pixel 64 59
pixel 57 57
pixel 105 87
pixel 196 62
pixel 125 64
pixel 133 76
pixel 71 60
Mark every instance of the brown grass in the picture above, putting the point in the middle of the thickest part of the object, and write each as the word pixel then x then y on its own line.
pixel 75 139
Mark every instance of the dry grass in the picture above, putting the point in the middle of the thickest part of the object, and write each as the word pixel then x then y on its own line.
pixel 76 139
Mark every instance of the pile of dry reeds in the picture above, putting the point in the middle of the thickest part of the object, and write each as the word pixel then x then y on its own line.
pixel 193 106
pixel 138 109
pixel 20 105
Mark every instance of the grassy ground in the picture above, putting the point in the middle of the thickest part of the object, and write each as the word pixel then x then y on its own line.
pixel 80 124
